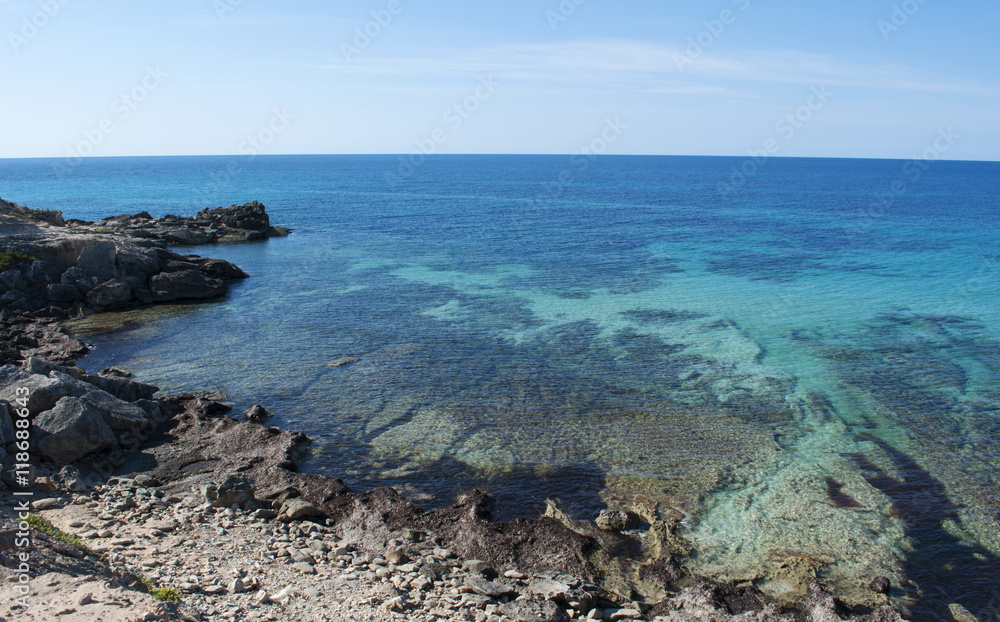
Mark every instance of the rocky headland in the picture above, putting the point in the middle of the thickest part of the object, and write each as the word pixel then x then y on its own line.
pixel 152 507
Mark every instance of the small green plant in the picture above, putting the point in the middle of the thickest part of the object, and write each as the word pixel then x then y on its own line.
pixel 9 259
pixel 102 230
pixel 40 524
pixel 162 594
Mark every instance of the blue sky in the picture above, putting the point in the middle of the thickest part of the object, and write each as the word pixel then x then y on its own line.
pixel 859 78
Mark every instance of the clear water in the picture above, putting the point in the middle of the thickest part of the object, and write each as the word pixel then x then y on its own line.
pixel 802 370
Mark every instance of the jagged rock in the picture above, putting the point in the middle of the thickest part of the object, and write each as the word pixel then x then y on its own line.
pixel 76 277
pixel 250 216
pixel 43 392
pixel 71 430
pixel 256 413
pixel 120 415
pixel 186 284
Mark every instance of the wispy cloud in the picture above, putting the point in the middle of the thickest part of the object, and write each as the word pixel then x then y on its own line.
pixel 634 64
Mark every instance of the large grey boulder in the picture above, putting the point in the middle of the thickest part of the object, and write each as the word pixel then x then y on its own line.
pixel 136 265
pixel 296 508
pixel 119 415
pixel 112 294
pixel 99 260
pixel 42 392
pixel 70 431
pixel 186 284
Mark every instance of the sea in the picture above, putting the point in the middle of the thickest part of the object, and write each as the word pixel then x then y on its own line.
pixel 801 356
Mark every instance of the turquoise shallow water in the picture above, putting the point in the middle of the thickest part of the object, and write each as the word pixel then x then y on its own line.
pixel 800 366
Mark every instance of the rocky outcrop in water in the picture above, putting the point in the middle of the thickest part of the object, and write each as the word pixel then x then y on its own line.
pixel 50 268
pixel 235 223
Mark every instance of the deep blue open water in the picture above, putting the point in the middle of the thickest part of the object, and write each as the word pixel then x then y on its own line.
pixel 808 363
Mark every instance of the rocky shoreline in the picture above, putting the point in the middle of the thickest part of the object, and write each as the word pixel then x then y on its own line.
pixel 172 493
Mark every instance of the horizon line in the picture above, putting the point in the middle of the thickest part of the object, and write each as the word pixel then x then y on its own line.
pixel 516 155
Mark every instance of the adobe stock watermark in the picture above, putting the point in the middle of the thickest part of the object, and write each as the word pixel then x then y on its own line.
pixel 365 34
pixel 562 13
pixel 22 479
pixel 253 145
pixel 714 28
pixel 910 173
pixel 31 26
pixel 454 117
pixel 225 7
pixel 900 16
pixel 580 161
pixel 122 108
pixel 786 129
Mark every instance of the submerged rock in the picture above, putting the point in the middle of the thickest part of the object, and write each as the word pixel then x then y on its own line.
pixel 342 361
pixel 617 520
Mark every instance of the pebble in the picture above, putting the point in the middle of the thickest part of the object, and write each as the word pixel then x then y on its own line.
pixel 236 586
